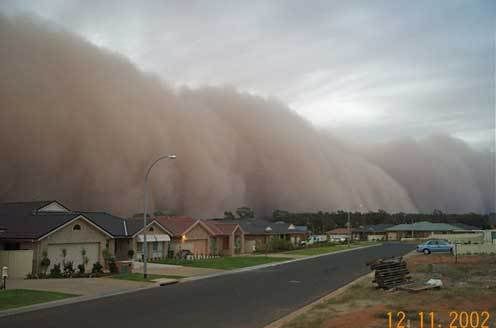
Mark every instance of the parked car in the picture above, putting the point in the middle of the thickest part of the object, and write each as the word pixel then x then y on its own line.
pixel 337 239
pixel 314 239
pixel 433 245
pixel 183 254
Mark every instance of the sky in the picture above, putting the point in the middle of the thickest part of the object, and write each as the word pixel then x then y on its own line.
pixel 372 70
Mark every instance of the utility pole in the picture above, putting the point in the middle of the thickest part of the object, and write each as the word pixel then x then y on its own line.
pixel 349 229
pixel 413 228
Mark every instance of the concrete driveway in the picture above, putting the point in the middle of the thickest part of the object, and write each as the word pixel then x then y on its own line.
pixel 78 286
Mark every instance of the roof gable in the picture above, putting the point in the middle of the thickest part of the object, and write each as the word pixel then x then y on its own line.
pixel 79 217
pixel 53 207
pixel 177 225
pixel 149 225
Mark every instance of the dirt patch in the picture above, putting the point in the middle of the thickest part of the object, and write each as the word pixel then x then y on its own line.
pixel 469 285
pixel 366 317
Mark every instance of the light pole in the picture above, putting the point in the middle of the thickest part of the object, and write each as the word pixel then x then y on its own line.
pixel 145 248
pixel 349 228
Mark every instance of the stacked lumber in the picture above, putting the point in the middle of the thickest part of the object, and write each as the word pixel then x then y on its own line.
pixel 390 273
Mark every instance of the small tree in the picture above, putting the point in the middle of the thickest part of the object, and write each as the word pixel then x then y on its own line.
pixel 85 260
pixel 228 215
pixel 245 212
pixel 45 263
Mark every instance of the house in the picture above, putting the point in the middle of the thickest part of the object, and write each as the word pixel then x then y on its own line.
pixel 422 229
pixel 203 237
pixel 258 232
pixel 35 230
pixel 356 233
pixel 377 231
pixel 158 240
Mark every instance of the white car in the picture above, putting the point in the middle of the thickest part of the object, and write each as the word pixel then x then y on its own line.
pixel 314 239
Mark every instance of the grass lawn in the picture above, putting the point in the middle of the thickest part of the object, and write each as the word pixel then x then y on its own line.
pixel 139 276
pixel 12 298
pixel 326 249
pixel 226 262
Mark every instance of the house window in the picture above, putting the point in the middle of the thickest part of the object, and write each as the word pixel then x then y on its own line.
pixel 151 229
pixel 155 246
pixel 76 227
pixel 139 247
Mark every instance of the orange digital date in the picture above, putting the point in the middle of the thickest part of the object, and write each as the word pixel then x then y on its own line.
pixel 457 319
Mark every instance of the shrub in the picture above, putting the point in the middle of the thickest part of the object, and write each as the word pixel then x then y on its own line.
pixel 81 268
pixel 97 268
pixel 277 244
pixel 55 272
pixel 68 268
pixel 31 276
pixel 130 254
pixel 112 266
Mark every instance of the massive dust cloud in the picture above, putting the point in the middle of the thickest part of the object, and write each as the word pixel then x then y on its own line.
pixel 80 124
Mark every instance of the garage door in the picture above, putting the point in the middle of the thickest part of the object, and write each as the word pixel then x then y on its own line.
pixel 73 253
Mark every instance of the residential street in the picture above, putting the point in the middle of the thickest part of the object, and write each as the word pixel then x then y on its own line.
pixel 245 299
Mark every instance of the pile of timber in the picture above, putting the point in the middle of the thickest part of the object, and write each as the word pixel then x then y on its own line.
pixel 390 273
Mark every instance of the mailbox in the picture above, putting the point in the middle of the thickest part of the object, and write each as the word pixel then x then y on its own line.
pixel 5 272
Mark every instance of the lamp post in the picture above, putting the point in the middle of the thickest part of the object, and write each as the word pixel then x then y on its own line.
pixel 349 229
pixel 145 248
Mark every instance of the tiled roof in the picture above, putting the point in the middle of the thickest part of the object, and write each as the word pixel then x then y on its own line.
pixel 176 224
pixel 112 224
pixel 423 226
pixel 23 220
pixel 224 228
pixel 343 231
pixel 378 227
pixel 258 227
pixel 463 226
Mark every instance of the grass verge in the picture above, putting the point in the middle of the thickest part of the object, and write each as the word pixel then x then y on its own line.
pixel 139 277
pixel 326 249
pixel 13 298
pixel 225 263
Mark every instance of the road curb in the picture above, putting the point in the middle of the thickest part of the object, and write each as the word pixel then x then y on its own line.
pixel 282 321
pixel 269 265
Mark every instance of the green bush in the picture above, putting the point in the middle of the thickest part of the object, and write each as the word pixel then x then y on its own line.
pixel 56 272
pixel 112 266
pixel 81 268
pixel 68 269
pixel 97 268
pixel 277 244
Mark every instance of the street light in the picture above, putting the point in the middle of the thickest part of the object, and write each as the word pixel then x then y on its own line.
pixel 145 248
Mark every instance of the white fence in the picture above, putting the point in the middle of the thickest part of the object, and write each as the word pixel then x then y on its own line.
pixel 485 248
pixel 19 262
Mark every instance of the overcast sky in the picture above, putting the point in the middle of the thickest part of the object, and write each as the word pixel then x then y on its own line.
pixel 364 69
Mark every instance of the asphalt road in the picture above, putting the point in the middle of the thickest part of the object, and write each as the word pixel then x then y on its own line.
pixel 245 299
